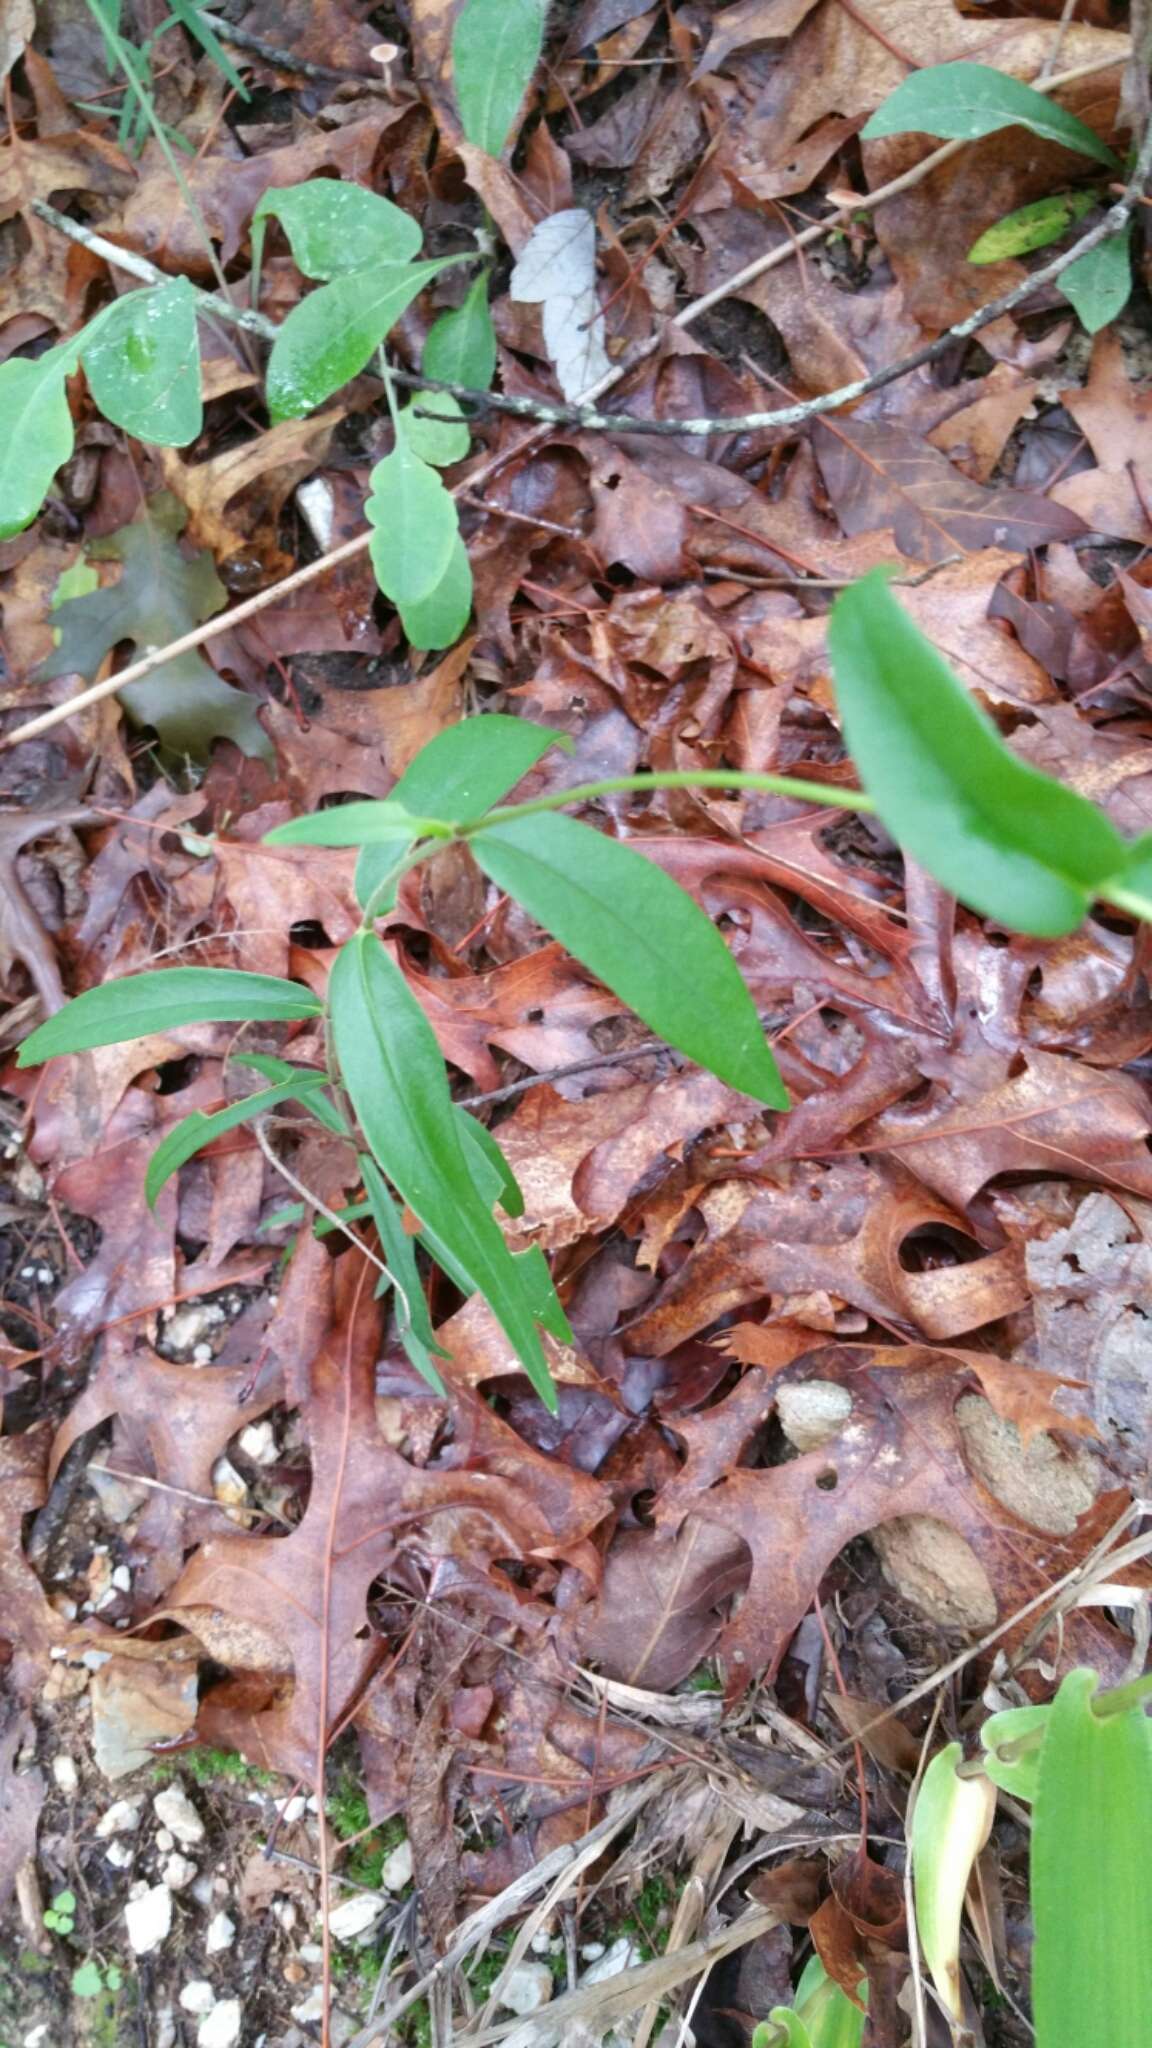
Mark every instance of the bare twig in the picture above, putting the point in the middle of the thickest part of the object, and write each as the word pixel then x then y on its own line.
pixel 243 39
pixel 790 415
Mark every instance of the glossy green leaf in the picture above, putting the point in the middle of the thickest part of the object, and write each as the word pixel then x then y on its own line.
pixel 199 1128
pixel 335 227
pixel 413 1322
pixel 1007 840
pixel 370 822
pixel 951 1822
pixel 332 334
pixel 1098 285
pixel 143 365
pixel 435 429
pixel 964 101
pixel 1030 227
pixel 414 526
pixel 461 347
pixel 491 1171
pixel 460 774
pixel 1090 1892
pixel 1011 1743
pixel 142 1004
pixel 496 47
pixel 640 933
pixel 439 619
pixel 36 434
pixel 398 1085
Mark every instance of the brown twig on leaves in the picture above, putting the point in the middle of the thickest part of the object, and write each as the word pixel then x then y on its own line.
pixel 303 67
pixel 788 416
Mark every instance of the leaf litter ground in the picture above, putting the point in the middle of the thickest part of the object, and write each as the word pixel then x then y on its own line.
pixel 850 1388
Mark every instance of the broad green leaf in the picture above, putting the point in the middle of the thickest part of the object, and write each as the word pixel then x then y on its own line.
pixel 465 770
pixel 1091 1898
pixel 951 1822
pixel 461 347
pixel 828 2013
pixel 334 227
pixel 964 101
pixel 87 1981
pixel 142 1004
pixel 143 365
pixel 1099 284
pixel 490 1170
pixel 198 1129
pixel 642 934
pixel 414 1324
pixel 414 526
pixel 1011 1742
pixel 435 428
pixel 1030 227
pixel 439 619
pixel 370 822
pixel 329 337
pixel 1008 841
pixel 398 1085
pixel 36 434
pixel 162 593
pixel 265 1063
pixel 496 47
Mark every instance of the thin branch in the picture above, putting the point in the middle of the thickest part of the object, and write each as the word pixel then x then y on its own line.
pixel 243 39
pixel 225 621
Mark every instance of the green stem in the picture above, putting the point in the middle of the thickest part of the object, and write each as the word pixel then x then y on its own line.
pixel 705 778
pixel 413 857
pixel 1129 900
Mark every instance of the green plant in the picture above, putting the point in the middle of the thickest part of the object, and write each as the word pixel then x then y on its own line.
pixel 1009 841
pixel 966 101
pixel 92 1980
pixel 135 61
pixel 60 1916
pixel 1084 1764
pixel 823 2016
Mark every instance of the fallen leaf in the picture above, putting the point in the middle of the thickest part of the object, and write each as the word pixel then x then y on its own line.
pixel 556 269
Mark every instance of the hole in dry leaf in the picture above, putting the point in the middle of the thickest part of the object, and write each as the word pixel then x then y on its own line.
pixel 828 1480
pixel 937 1246
pixel 309 934
pixel 174 1075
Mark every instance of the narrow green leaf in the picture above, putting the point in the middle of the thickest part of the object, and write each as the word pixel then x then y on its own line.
pixel 366 823
pixel 266 1063
pixel 1008 841
pixel 143 365
pixel 142 1004
pixel 396 1079
pixel 461 347
pixel 334 227
pixel 1030 227
pixel 329 337
pixel 1099 284
pixel 951 1822
pixel 36 434
pixel 491 1171
pixel 439 619
pixel 964 101
pixel 642 934
pixel 199 1128
pixel 413 1322
pixel 496 47
pixel 463 771
pixel 435 429
pixel 1091 1899
pixel 414 526
pixel 541 1295
pixel 197 21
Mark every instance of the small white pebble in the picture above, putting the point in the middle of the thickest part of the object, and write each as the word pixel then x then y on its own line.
pixel 221 1933
pixel 65 1774
pixel 285 1914
pixel 148 1918
pixel 529 1987
pixel 119 1855
pixel 620 1956
pixel 179 1872
pixel 198 1996
pixel 541 1943
pixel 122 1579
pixel 592 1951
pixel 45 1275
pixel 396 1870
pixel 165 2026
pixel 258 1442
pixel 293 1809
pixel 202 1354
pixel 221 2027
pixel 165 1840
pixel 38 2038
pixel 175 1811
pixel 310 1952
pixel 357 1918
pixel 202 1892
pixel 120 1818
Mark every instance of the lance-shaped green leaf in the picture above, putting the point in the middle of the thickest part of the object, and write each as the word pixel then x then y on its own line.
pixel 1007 840
pixel 414 525
pixel 490 1170
pixel 396 1079
pixel 329 337
pixel 334 227
pixel 640 933
pixel 414 1324
pixel 964 101
pixel 462 772
pixel 143 364
pixel 266 1063
pixel 37 434
pixel 142 1004
pixel 951 1822
pixel 1099 284
pixel 496 47
pixel 1030 227
pixel 1091 1899
pixel 200 1127
pixel 439 619
pixel 369 822
pixel 461 347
